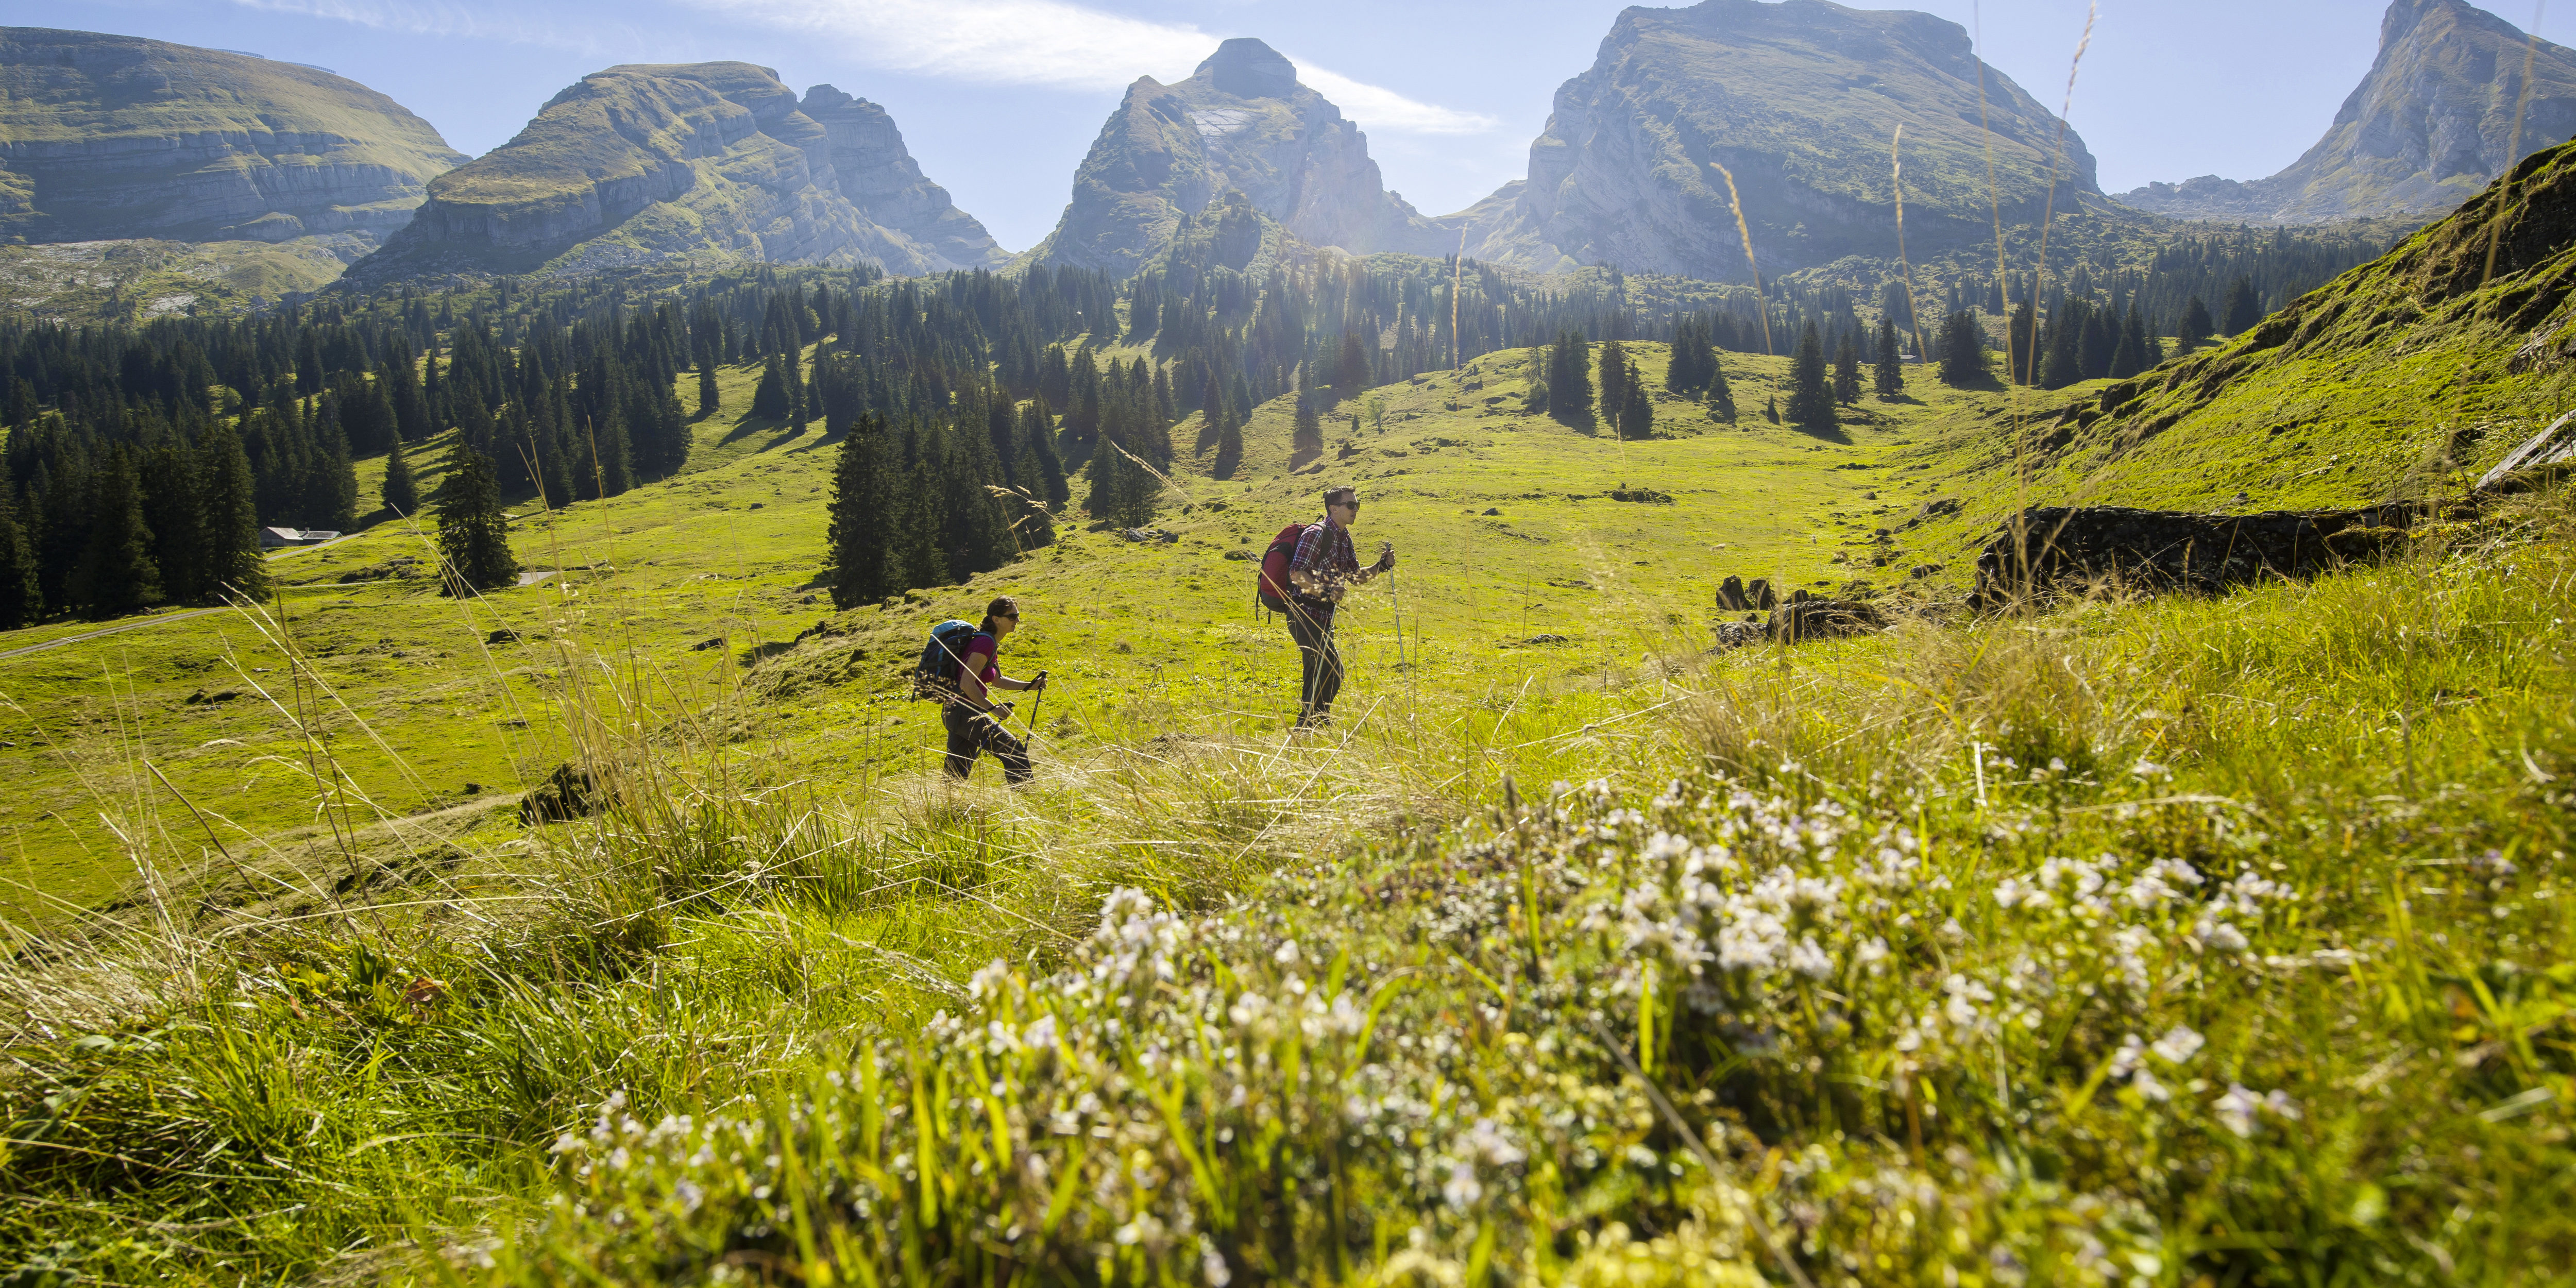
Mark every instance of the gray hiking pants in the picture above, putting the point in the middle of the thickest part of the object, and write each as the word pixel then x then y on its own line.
pixel 1319 662
pixel 971 733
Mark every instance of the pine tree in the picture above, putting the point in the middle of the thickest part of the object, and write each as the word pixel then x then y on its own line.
pixel 22 600
pixel 2019 340
pixel 1847 370
pixel 709 400
pixel 2095 344
pixel 1811 400
pixel 1351 374
pixel 401 494
pixel 772 400
pixel 2195 326
pixel 232 564
pixel 1889 377
pixel 116 575
pixel 2243 309
pixel 858 554
pixel 1037 428
pixel 2062 364
pixel 1963 351
pixel 1569 379
pixel 1615 371
pixel 2130 357
pixel 473 531
pixel 1721 396
pixel 1636 406
pixel 1309 433
pixel 175 513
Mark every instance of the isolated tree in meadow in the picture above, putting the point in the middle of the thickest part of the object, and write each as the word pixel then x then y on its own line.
pixel 1811 398
pixel 1569 378
pixel 708 397
pixel 1616 371
pixel 1888 378
pixel 473 530
pixel 1963 351
pixel 1309 433
pixel 2243 309
pixel 1636 418
pixel 22 598
pixel 401 494
pixel 1847 370
pixel 1721 396
pixel 2195 326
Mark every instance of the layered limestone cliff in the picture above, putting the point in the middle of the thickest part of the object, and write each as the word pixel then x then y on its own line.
pixel 112 137
pixel 2430 126
pixel 639 164
pixel 1800 101
pixel 1241 121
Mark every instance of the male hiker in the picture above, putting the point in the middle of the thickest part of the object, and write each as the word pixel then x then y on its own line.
pixel 1323 568
pixel 973 719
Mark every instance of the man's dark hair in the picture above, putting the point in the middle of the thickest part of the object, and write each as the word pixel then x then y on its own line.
pixel 1341 495
pixel 1002 606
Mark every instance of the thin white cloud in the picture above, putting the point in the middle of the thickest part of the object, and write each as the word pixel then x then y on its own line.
pixel 448 19
pixel 1053 43
pixel 1384 109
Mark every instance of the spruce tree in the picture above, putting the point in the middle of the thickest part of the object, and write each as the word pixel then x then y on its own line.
pixel 2095 344
pixel 1811 399
pixel 2243 309
pixel 1889 377
pixel 1963 351
pixel 2130 357
pixel 1616 371
pixel 401 494
pixel 232 564
pixel 116 575
pixel 473 531
pixel 2019 341
pixel 1569 379
pixel 708 399
pixel 1847 370
pixel 772 399
pixel 2062 365
pixel 2195 326
pixel 1636 406
pixel 858 554
pixel 1309 433
pixel 172 509
pixel 22 601
pixel 1721 396
pixel 1037 429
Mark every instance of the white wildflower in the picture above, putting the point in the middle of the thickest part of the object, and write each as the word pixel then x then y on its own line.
pixel 2236 1110
pixel 1212 1267
pixel 2220 935
pixel 2178 1044
pixel 1487 1142
pixel 1287 954
pixel 2146 1085
pixel 1809 960
pixel 1462 1187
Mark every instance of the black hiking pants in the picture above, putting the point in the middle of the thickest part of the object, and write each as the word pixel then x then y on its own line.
pixel 972 733
pixel 1319 662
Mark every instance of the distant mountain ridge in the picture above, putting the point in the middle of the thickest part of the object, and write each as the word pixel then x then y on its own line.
pixel 1801 101
pixel 642 163
pixel 1242 121
pixel 106 137
pixel 2428 127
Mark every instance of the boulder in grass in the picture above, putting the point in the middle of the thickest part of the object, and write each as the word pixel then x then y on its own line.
pixel 1730 594
pixel 2056 546
pixel 1816 619
pixel 571 792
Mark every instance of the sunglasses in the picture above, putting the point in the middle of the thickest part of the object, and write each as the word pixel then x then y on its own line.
pixel 1352 506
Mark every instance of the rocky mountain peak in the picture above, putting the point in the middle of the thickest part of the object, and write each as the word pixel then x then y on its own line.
pixel 2430 124
pixel 648 162
pixel 1247 68
pixel 1243 122
pixel 1798 100
pixel 105 137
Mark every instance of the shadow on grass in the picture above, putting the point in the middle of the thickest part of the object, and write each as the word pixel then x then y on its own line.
pixel 1825 433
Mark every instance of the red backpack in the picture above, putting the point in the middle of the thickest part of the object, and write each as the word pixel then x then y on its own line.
pixel 1272 585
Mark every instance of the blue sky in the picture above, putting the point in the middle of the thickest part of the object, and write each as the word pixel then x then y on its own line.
pixel 1000 98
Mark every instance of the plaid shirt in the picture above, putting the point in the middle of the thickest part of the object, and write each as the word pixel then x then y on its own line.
pixel 1324 557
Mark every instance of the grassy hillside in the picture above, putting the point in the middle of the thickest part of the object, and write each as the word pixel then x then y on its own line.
pixel 2195 941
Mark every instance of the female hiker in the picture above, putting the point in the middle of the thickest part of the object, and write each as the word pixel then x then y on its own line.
pixel 973 719
pixel 1321 570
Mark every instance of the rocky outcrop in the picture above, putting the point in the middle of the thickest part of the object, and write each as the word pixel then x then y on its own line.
pixel 918 229
pixel 113 137
pixel 1800 101
pixel 2059 546
pixel 646 163
pixel 1241 121
pixel 2430 125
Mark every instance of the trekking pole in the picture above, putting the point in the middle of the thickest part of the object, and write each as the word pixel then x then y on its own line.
pixel 1036 704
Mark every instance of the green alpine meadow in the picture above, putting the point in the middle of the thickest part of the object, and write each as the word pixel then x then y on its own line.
pixel 654 707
